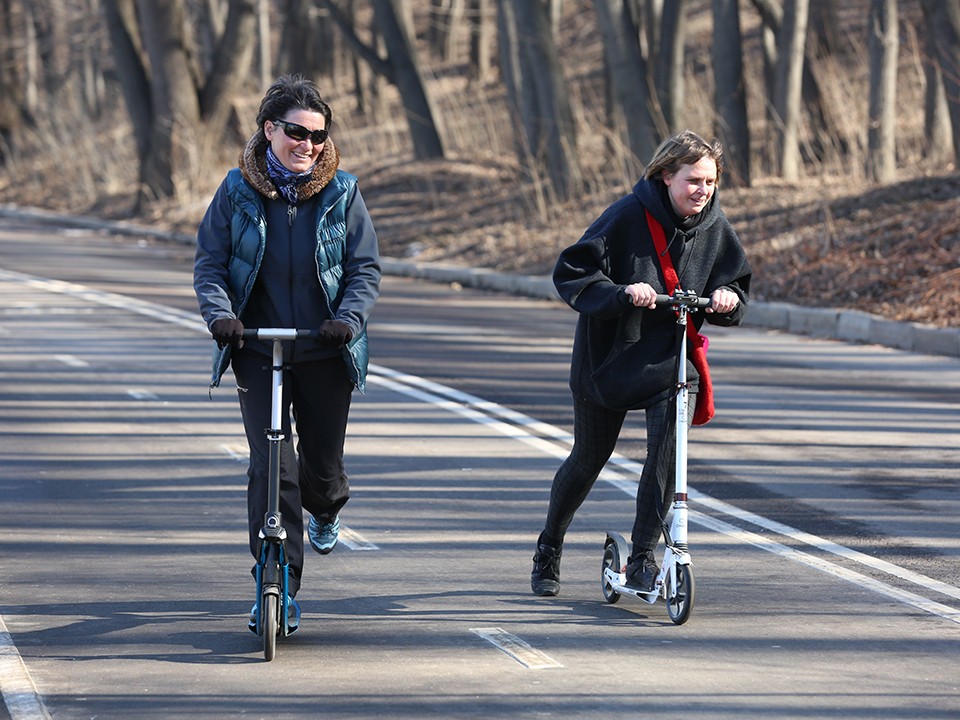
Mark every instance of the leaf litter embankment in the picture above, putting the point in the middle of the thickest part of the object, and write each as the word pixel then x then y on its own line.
pixel 893 251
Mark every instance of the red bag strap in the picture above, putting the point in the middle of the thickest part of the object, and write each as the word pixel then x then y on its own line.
pixel 660 244
pixel 666 262
pixel 704 409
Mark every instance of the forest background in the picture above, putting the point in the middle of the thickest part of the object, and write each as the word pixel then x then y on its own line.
pixel 490 133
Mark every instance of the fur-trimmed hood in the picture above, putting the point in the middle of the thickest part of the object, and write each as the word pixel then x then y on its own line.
pixel 253 165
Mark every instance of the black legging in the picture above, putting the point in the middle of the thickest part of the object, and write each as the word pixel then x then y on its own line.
pixel 595 433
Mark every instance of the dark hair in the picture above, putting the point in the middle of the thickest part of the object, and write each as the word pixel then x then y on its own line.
pixel 684 148
pixel 292 91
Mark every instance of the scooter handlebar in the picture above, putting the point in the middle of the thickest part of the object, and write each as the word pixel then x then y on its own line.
pixel 686 299
pixel 278 333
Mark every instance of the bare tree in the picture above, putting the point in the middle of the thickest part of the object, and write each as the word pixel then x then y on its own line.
pixel 730 91
pixel 310 41
pixel 669 76
pixel 264 64
pixel 424 122
pixel 538 89
pixel 174 110
pixel 826 129
pixel 938 141
pixel 402 68
pixel 628 72
pixel 945 26
pixel 881 132
pixel 788 85
pixel 11 73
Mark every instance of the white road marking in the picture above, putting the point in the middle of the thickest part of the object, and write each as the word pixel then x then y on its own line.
pixel 71 361
pixel 240 453
pixel 516 648
pixel 16 686
pixel 142 394
pixel 770 545
pixel 354 540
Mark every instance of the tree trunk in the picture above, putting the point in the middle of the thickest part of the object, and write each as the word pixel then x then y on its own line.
pixel 938 142
pixel 669 72
pixel 730 91
pixel 510 74
pixel 651 25
pixel 789 85
pixel 129 66
pixel 481 33
pixel 170 164
pixel 825 27
pixel 233 56
pixel 549 118
pixel 825 128
pixel 554 13
pixel 881 133
pixel 946 15
pixel 11 76
pixel 423 121
pixel 628 73
pixel 264 66
pixel 446 17
pixel 175 121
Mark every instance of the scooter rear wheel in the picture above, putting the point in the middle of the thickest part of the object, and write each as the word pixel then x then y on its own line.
pixel 680 598
pixel 611 559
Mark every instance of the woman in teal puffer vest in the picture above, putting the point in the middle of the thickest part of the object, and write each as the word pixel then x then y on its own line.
pixel 287 242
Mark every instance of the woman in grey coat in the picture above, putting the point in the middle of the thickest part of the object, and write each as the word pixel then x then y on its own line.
pixel 625 347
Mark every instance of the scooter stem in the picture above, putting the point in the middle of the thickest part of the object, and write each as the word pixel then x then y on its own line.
pixel 275 433
pixel 678 529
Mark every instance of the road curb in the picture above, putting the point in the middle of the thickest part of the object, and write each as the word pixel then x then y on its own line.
pixel 836 324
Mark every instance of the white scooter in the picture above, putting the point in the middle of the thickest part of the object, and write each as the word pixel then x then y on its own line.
pixel 675 583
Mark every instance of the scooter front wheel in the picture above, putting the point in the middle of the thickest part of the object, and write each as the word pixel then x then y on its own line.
pixel 269 618
pixel 680 597
pixel 611 559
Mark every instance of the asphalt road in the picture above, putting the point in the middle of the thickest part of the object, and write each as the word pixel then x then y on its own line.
pixel 824 532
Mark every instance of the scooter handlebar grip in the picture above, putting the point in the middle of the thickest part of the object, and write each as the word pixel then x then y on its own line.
pixel 689 300
pixel 278 333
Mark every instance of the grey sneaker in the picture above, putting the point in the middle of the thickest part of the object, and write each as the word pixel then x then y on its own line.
pixel 324 535
pixel 545 576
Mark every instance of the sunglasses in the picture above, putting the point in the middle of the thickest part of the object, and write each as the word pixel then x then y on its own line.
pixel 300 133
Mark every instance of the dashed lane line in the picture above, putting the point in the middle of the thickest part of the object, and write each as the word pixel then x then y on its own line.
pixel 518 649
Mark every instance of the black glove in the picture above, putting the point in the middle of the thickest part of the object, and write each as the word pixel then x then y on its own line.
pixel 334 333
pixel 227 331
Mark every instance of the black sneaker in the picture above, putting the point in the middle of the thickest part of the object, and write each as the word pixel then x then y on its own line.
pixel 545 577
pixel 642 572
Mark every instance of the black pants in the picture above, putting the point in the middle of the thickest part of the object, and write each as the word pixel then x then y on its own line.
pixel 313 477
pixel 595 432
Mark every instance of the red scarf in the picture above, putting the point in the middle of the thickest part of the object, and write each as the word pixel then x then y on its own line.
pixel 697 342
